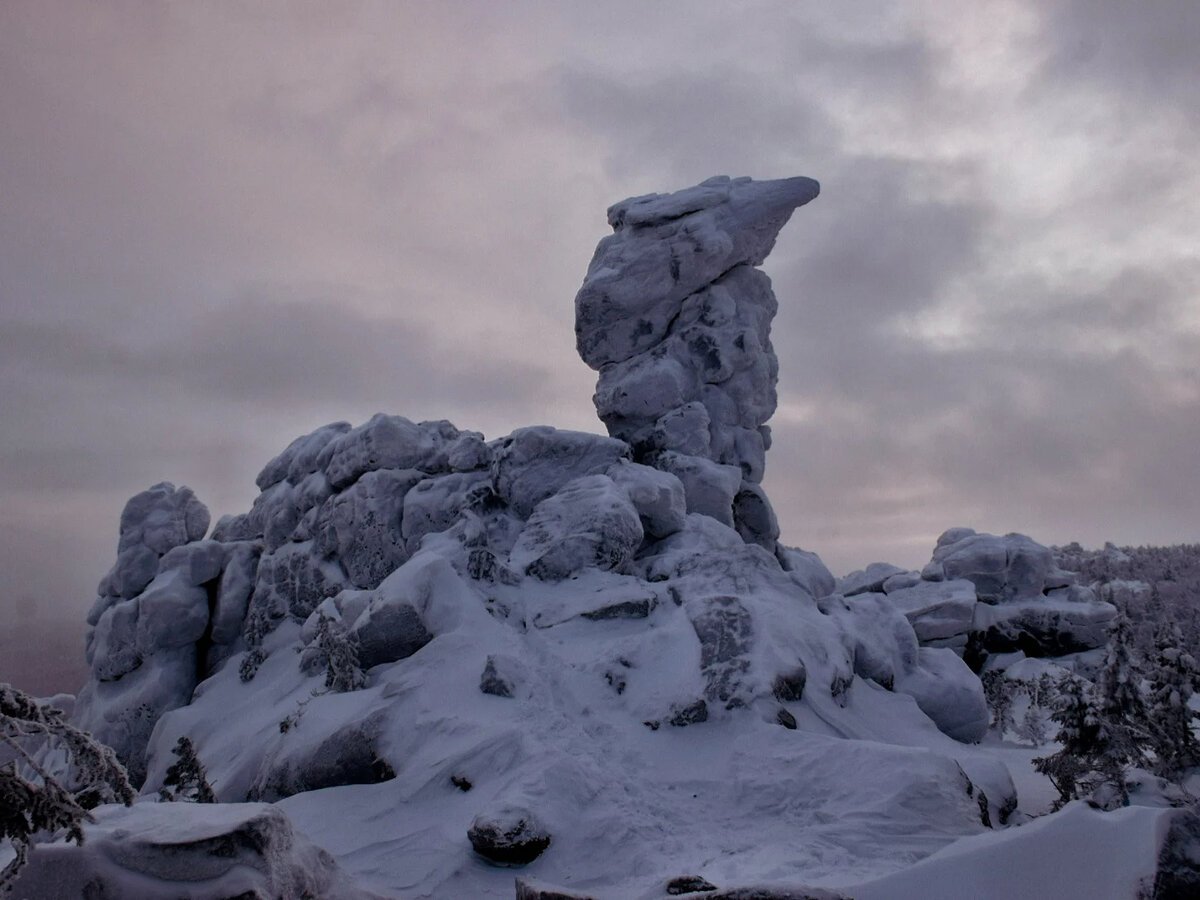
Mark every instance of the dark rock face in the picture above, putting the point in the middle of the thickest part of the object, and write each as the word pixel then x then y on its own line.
pixel 788 687
pixel 1178 876
pixel 689 884
pixel 691 714
pixel 778 893
pixel 492 682
pixel 725 629
pixel 511 836
pixel 350 756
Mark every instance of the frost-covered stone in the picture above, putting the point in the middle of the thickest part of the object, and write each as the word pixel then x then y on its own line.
pixel 434 503
pixel 937 609
pixel 709 487
pixel 363 525
pixel 291 581
pixel 868 580
pixel 676 319
pixel 113 645
pixel 532 463
pixel 590 522
pixel 949 693
pixel 199 850
pixel 349 755
pixel 300 458
pixel 172 613
pixel 152 523
pixel 725 629
pixel 388 442
pixel 510 836
pixel 753 516
pixel 1067 620
pixel 234 590
pixel 807 570
pixel 197 563
pixel 666 247
pixel 882 643
pixel 163 517
pixel 1001 568
pixel 657 496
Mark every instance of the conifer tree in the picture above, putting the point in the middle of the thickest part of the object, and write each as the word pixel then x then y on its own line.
pixel 33 800
pixel 1172 674
pixel 186 778
pixel 342 671
pixel 1071 768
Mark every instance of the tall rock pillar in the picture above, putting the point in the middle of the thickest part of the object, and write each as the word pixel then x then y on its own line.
pixel 676 318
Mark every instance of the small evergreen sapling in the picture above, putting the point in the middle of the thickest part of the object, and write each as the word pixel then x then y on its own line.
pixel 29 805
pixel 342 671
pixel 186 778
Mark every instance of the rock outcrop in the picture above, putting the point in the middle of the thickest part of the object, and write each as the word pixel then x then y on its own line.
pixel 676 319
pixel 532 624
pixel 197 850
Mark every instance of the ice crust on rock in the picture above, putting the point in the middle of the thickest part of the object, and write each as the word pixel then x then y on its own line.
pixel 601 632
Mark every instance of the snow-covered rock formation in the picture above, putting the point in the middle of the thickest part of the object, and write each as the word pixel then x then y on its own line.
pixel 601 633
pixel 984 595
pixel 677 319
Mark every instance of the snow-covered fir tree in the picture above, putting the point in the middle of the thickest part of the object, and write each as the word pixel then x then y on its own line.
pixel 186 778
pixel 34 800
pixel 1171 673
pixel 342 670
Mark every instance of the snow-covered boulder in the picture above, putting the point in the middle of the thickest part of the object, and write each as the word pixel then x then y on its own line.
pixel 532 463
pixel 153 522
pixel 868 580
pixel 362 525
pixel 509 836
pixel 1001 568
pixel 949 693
pixel 807 570
pixel 387 442
pixel 201 851
pixel 938 610
pixel 1067 620
pixel 590 522
pixel 709 487
pixel 658 497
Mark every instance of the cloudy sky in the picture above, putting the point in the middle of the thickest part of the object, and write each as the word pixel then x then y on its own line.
pixel 224 224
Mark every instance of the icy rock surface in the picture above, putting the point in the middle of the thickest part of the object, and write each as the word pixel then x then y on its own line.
pixel 676 319
pixel 201 851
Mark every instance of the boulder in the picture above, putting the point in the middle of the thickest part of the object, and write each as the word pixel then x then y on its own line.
pixel 589 523
pixel 658 497
pixel 388 442
pixel 868 580
pixel 725 629
pixel 709 487
pixel 949 693
pixel 1012 567
pixel 300 458
pixel 807 570
pixel 363 525
pixel 508 836
pixel 533 463
pixel 198 850
pixel 937 610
